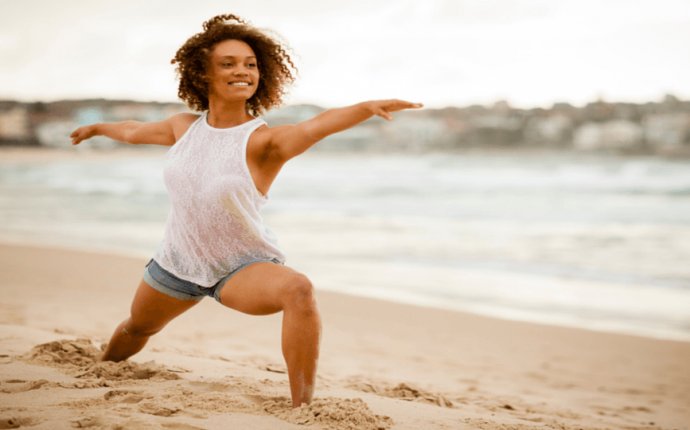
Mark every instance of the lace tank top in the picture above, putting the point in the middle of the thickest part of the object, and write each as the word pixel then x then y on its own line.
pixel 214 225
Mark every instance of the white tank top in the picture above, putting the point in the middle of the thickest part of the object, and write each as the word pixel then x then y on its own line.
pixel 214 225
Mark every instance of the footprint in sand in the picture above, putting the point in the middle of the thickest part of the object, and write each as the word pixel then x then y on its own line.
pixel 124 396
pixel 180 426
pixel 19 385
pixel 205 386
pixel 87 422
pixel 16 422
pixel 155 407
pixel 402 391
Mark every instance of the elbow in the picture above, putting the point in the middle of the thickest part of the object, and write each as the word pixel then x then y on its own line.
pixel 130 140
pixel 127 137
pixel 130 133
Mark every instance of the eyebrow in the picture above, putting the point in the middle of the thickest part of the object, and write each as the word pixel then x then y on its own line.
pixel 233 56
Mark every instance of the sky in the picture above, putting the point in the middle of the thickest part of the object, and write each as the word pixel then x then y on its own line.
pixel 438 52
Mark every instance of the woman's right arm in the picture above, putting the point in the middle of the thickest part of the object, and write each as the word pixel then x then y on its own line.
pixel 163 132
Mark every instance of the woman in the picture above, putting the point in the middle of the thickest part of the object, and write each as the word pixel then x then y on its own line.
pixel 218 172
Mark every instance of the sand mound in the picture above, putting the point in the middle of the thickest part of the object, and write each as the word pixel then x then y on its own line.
pixel 402 391
pixel 65 353
pixel 80 358
pixel 127 370
pixel 332 413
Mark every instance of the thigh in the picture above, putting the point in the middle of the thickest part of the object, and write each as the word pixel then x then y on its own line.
pixel 260 288
pixel 152 310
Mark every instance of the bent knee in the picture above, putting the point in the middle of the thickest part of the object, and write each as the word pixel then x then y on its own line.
pixel 300 291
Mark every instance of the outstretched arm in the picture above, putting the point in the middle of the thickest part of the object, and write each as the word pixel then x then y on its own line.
pixel 291 140
pixel 158 133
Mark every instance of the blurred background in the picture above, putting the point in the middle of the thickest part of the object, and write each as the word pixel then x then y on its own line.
pixel 547 178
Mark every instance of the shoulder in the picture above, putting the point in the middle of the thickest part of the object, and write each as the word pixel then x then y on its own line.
pixel 284 142
pixel 267 131
pixel 261 136
pixel 180 122
pixel 272 135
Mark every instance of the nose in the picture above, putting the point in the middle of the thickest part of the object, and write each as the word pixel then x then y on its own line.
pixel 240 71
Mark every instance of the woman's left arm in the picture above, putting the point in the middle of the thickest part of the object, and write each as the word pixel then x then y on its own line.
pixel 291 140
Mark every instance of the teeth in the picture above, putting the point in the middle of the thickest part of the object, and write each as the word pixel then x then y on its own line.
pixel 240 84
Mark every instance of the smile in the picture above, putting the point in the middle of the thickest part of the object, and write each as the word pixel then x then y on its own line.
pixel 239 84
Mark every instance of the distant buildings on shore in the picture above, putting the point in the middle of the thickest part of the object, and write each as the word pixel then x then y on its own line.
pixel 661 127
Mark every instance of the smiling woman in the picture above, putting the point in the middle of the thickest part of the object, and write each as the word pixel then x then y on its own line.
pixel 215 45
pixel 219 169
pixel 232 72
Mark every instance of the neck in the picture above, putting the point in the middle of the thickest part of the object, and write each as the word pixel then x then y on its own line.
pixel 224 114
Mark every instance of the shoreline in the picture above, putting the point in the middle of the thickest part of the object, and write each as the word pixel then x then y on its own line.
pixel 386 364
pixel 18 153
pixel 411 299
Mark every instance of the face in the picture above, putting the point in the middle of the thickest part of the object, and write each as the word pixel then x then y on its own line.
pixel 233 71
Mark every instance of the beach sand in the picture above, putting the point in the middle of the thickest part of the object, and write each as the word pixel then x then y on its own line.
pixel 383 365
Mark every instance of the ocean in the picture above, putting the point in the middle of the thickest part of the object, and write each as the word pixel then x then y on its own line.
pixel 599 242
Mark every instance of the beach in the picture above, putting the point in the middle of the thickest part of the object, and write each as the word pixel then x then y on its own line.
pixel 457 291
pixel 492 248
pixel 383 365
pixel 580 240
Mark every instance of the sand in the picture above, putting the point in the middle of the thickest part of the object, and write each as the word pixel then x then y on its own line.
pixel 383 365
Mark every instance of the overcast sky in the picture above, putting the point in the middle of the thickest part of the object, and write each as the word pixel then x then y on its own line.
pixel 440 52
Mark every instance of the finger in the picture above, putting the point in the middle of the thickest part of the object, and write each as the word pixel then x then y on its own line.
pixel 385 115
pixel 401 104
pixel 410 105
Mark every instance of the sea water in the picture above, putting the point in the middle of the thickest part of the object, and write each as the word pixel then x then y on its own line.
pixel 594 241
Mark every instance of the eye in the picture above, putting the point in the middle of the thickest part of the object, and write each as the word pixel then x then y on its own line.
pixel 251 65
pixel 226 64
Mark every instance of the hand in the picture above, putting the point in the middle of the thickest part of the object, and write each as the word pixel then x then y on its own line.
pixel 83 133
pixel 383 108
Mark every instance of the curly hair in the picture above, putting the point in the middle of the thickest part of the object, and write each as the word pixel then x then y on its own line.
pixel 275 65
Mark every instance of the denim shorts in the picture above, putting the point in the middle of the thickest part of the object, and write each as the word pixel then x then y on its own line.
pixel 167 283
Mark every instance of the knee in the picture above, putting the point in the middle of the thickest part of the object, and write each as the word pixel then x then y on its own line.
pixel 300 293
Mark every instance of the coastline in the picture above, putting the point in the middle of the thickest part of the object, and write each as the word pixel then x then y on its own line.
pixel 551 262
pixel 421 367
